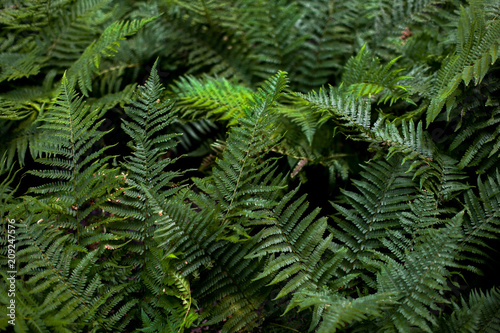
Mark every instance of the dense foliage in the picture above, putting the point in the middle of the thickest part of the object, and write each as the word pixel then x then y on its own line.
pixel 250 165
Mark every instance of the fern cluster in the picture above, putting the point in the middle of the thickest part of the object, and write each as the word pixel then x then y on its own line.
pixel 249 166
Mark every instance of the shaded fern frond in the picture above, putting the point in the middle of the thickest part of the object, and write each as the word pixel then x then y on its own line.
pixel 86 66
pixel 337 311
pixel 363 75
pixel 64 295
pixel 482 221
pixel 300 247
pixel 373 210
pixel 81 179
pixel 479 313
pixel 330 40
pixel 419 284
pixel 477 36
pixel 274 34
pixel 196 238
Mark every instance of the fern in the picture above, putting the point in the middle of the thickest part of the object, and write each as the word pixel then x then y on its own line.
pixel 421 281
pixel 363 76
pixel 480 313
pixel 354 116
pixel 330 31
pixel 482 219
pixel 82 180
pixel 63 294
pixel 238 176
pixel 298 241
pixel 119 228
pixel 383 193
pixel 476 49
pixel 337 311
pixel 275 36
pixel 211 98
pixel 149 116
pixel 81 71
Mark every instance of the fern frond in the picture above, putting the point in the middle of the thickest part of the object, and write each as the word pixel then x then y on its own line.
pixel 423 215
pixel 477 38
pixel 419 283
pixel 87 65
pixel 482 221
pixel 149 116
pixel 298 241
pixel 480 313
pixel 363 75
pixel 442 176
pixel 236 185
pixel 373 210
pixel 303 115
pixel 197 239
pixel 211 98
pixel 65 295
pixel 81 178
pixel 354 116
pixel 338 311
pixel 274 34
pixel 330 30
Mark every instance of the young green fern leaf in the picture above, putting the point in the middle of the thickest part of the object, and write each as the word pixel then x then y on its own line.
pixel 210 98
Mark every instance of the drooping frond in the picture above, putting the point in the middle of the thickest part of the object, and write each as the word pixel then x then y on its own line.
pixel 299 112
pixel 167 298
pixel 354 117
